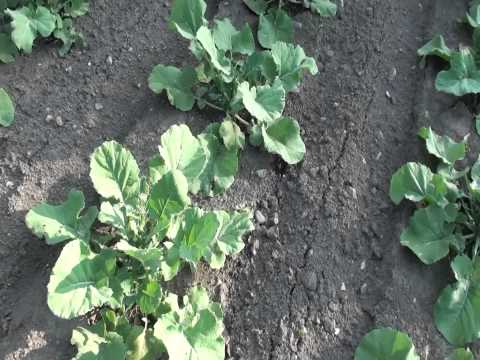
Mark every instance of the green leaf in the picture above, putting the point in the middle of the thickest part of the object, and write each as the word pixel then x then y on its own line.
pixel 182 151
pixel 463 77
pixel 223 33
pixel 260 67
pixel 92 346
pixel 429 234
pixel 143 345
pixel 7 109
pixel 193 332
pixel 259 7
pixel 443 147
pixel 436 47
pixel 62 222
pixel 265 103
pixel 8 50
pixel 243 41
pixel 28 23
pixel 188 16
pixel 283 137
pixel 273 27
pixel 461 354
pixel 323 7
pixel 68 35
pixel 473 16
pixel 150 297
pixel 115 173
pixel 291 63
pixel 151 258
pixel 76 8
pixel 386 343
pixel 477 124
pixel 412 181
pixel 217 58
pixel 232 135
pixel 457 310
pixel 221 167
pixel 228 241
pixel 177 83
pixel 115 215
pixel 79 280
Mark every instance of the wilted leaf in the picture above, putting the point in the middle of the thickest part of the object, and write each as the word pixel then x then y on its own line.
pixel 443 147
pixel 436 47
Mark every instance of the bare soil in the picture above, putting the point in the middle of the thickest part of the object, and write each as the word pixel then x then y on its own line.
pixel 309 286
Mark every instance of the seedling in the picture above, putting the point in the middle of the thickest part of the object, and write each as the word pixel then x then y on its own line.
pixel 446 224
pixel 248 86
pixel 150 232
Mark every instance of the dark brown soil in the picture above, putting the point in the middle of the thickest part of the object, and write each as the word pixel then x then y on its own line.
pixel 332 269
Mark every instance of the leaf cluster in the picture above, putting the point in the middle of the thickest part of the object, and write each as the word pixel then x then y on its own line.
pixel 445 224
pixel 463 75
pixel 24 21
pixel 151 231
pixel 235 78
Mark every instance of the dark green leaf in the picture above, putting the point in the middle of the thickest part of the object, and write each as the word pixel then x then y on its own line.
pixel 7 109
pixel 463 77
pixel 273 27
pixel 386 344
pixel 443 147
pixel 436 47
pixel 188 16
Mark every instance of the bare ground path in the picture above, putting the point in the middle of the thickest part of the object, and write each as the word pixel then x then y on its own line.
pixel 308 286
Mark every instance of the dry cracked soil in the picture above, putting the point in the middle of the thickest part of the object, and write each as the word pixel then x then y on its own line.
pixel 325 265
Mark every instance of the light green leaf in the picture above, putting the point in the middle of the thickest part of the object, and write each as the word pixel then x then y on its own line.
pixel 457 310
pixel 291 63
pixel 149 297
pixel 463 77
pixel 28 23
pixel 193 332
pixel 243 41
pixel 62 222
pixel 217 58
pixel 7 109
pixel 443 147
pixel 188 16
pixel 150 258
pixel 232 135
pixel 92 346
pixel 477 124
pixel 412 181
pixel 283 137
pixel 429 234
pixel 79 280
pixel 115 173
pixel 223 33
pixel 177 83
pixel 461 354
pixel 182 151
pixel 115 215
pixel 259 7
pixel 386 344
pixel 265 103
pixel 436 47
pixel 143 345
pixel 221 167
pixel 8 50
pixel 273 27
pixel 76 8
pixel 323 7
pixel 473 16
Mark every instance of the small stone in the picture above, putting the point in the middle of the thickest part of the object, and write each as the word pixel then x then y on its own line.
pixel 261 219
pixel 393 74
pixel 310 280
pixel 109 60
pixel 90 123
pixel 276 220
pixel 314 171
pixel 59 121
pixel 343 287
pixel 363 289
pixel 363 265
pixel 262 173
pixel 48 118
pixel 98 106
pixel 10 184
pixel 337 331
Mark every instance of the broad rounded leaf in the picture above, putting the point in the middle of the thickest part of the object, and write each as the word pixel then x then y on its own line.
pixel 223 33
pixel 115 173
pixel 7 109
pixel 463 77
pixel 429 234
pixel 232 135
pixel 386 344
pixel 265 103
pixel 176 82
pixel 143 345
pixel 323 7
pixel 436 47
pixel 8 50
pixel 79 280
pixel 275 26
pixel 461 354
pixel 443 147
pixel 291 63
pixel 259 7
pixel 151 258
pixel 92 346
pixel 283 137
pixel 193 332
pixel 57 223
pixel 188 16
pixel 115 215
pixel 457 310
pixel 412 181
pixel 217 58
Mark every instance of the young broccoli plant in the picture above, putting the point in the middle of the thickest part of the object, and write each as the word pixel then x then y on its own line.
pixel 248 86
pixel 463 75
pixel 23 21
pixel 446 223
pixel 150 232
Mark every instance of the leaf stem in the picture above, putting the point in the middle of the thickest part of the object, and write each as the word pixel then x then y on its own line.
pixel 236 116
